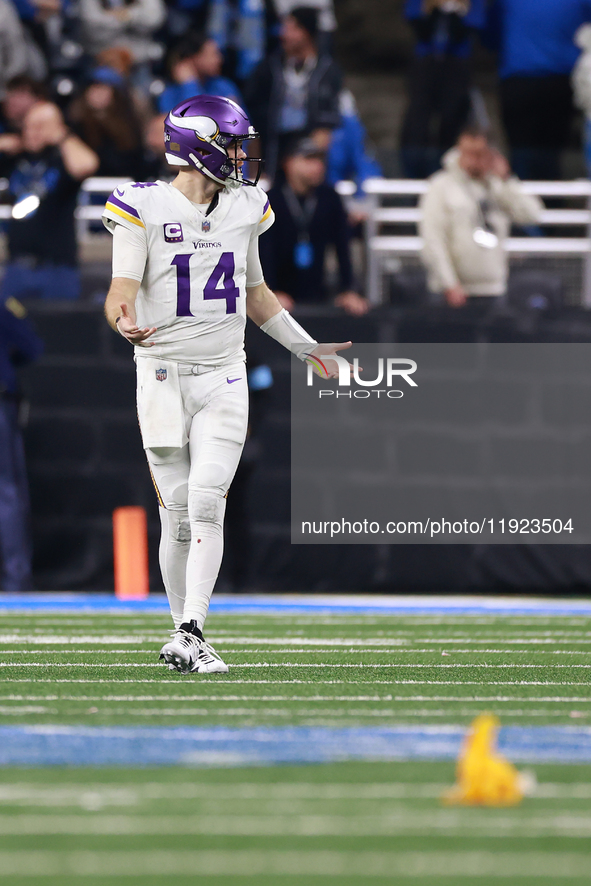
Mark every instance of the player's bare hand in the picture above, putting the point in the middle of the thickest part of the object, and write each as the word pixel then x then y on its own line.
pixel 131 331
pixel 10 143
pixel 285 300
pixel 499 165
pixel 352 303
pixel 456 296
pixel 321 362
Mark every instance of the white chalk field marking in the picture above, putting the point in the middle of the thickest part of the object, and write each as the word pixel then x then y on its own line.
pixel 68 640
pixel 367 651
pixel 323 698
pixel 225 682
pixel 275 862
pixel 333 716
pixel 129 638
pixel 25 709
pixel 99 795
pixel 291 664
pixel 390 821
pixel 264 650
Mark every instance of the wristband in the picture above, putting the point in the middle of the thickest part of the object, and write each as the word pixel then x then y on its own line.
pixel 288 332
pixel 119 330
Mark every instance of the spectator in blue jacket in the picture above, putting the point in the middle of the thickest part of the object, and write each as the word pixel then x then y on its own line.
pixel 195 68
pixel 439 79
pixel 348 155
pixel 239 27
pixel 18 345
pixel 537 55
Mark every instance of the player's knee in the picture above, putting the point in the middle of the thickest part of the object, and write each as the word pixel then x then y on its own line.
pixel 213 475
pixel 176 525
pixel 206 506
pixel 172 496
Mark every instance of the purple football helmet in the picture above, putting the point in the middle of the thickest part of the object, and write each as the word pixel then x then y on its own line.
pixel 205 132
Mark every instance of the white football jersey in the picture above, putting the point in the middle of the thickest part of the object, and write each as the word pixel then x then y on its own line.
pixel 194 285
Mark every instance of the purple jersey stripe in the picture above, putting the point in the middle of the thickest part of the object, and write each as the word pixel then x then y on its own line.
pixel 266 206
pixel 115 200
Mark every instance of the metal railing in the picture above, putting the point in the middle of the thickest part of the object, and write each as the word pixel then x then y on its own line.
pixel 380 245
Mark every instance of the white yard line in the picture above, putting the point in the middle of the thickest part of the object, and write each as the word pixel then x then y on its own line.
pixel 25 709
pixel 266 651
pixel 290 664
pixel 99 794
pixel 324 698
pixel 124 638
pixel 228 681
pixel 391 821
pixel 68 640
pixel 542 864
pixel 332 716
pixel 517 641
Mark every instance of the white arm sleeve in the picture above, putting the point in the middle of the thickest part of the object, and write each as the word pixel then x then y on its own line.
pixel 130 252
pixel 284 329
pixel 254 269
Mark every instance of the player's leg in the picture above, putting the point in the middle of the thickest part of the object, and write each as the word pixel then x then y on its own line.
pixel 216 440
pixel 170 473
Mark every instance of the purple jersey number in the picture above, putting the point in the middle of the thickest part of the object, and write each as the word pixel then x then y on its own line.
pixel 183 284
pixel 224 269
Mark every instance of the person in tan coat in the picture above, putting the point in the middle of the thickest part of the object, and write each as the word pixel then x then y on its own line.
pixel 467 214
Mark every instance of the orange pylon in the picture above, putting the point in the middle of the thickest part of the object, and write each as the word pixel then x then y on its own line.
pixel 130 553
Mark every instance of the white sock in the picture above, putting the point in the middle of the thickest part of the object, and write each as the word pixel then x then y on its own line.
pixel 203 566
pixel 175 543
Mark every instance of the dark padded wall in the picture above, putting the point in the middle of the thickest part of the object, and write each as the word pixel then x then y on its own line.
pixel 85 458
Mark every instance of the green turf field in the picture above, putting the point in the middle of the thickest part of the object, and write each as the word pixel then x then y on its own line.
pixel 329 670
pixel 289 826
pixel 344 823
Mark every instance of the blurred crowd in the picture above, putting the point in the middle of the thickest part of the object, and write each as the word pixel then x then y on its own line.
pixel 541 72
pixel 114 67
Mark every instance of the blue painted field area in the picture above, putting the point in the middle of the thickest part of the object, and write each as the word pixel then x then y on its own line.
pixel 294 604
pixel 184 746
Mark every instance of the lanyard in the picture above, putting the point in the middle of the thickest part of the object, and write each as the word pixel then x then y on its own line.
pixel 485 205
pixel 301 214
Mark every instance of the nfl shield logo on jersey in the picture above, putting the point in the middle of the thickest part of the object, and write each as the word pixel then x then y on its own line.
pixel 205 225
pixel 161 374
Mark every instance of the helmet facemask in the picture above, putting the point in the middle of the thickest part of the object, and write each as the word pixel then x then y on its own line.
pixel 232 144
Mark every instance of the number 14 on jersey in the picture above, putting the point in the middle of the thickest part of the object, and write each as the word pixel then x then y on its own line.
pixel 223 271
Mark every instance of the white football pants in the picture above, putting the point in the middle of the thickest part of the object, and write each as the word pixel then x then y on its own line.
pixel 192 483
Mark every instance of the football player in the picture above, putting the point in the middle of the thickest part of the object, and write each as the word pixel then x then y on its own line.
pixel 186 274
